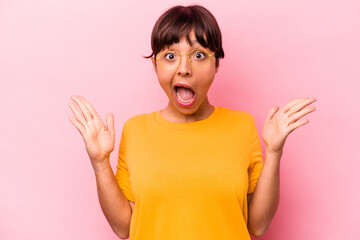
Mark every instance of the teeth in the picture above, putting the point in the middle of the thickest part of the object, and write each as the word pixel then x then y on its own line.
pixel 185 101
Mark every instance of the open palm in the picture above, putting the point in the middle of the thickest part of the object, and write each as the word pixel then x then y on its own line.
pixel 99 139
pixel 280 123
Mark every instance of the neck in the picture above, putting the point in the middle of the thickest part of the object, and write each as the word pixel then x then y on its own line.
pixel 172 114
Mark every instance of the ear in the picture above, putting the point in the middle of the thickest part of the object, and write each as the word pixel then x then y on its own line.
pixel 217 64
pixel 217 67
pixel 153 62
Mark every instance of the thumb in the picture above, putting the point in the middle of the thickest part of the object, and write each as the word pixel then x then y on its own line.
pixel 110 122
pixel 272 112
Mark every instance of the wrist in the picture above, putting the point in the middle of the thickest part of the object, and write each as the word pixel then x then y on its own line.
pixel 102 166
pixel 272 159
pixel 270 152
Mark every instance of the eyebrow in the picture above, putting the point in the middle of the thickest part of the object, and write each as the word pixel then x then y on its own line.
pixel 194 41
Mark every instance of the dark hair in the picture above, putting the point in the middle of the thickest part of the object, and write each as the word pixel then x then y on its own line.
pixel 178 21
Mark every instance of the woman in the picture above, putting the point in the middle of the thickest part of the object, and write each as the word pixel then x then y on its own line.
pixel 191 170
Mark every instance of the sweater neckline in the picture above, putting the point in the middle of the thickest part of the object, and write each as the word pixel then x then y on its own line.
pixel 191 125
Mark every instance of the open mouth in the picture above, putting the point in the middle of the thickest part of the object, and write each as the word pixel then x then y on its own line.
pixel 185 95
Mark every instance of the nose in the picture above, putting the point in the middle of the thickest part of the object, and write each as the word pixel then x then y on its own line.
pixel 184 66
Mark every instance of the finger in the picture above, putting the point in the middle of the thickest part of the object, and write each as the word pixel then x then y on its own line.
pixel 110 122
pixel 297 124
pixel 272 112
pixel 300 106
pixel 292 103
pixel 90 107
pixel 78 125
pixel 77 113
pixel 300 114
pixel 85 111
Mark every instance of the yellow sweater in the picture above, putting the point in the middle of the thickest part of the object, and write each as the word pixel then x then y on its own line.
pixel 189 180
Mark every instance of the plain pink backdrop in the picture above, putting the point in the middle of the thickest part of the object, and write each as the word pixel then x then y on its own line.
pixel 275 52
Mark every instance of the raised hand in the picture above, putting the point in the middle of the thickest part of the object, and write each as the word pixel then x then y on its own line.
pixel 99 139
pixel 279 124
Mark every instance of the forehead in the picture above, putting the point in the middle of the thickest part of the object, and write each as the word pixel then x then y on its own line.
pixel 184 43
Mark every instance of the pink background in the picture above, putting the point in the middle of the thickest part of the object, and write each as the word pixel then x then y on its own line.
pixel 275 51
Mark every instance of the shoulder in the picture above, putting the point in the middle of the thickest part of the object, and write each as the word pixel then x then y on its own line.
pixel 238 115
pixel 138 120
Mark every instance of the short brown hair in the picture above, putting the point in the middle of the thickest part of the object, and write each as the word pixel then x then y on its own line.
pixel 178 21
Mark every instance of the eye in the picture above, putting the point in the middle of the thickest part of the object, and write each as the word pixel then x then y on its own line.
pixel 170 56
pixel 199 55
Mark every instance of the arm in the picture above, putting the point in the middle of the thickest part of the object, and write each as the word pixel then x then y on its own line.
pixel 249 197
pixel 113 202
pixel 279 123
pixel 264 201
pixel 99 141
pixel 132 204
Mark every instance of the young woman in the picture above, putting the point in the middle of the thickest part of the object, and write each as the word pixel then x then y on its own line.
pixel 191 170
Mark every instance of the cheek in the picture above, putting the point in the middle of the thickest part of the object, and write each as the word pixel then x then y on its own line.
pixel 206 82
pixel 165 81
pixel 207 79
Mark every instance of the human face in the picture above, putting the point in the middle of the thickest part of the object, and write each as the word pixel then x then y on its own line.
pixel 199 80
